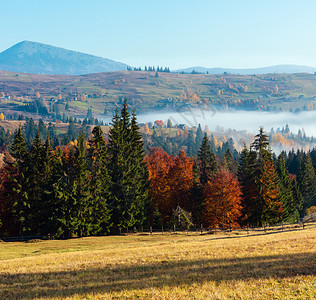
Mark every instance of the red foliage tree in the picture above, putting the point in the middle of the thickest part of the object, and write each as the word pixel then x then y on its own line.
pixel 222 204
pixel 159 123
pixel 180 180
pixel 171 179
pixel 159 164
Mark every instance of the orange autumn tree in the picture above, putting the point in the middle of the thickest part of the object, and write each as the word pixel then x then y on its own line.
pixel 159 164
pixel 222 201
pixel 180 180
pixel 171 179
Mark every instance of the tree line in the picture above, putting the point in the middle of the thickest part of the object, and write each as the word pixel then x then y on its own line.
pixel 97 187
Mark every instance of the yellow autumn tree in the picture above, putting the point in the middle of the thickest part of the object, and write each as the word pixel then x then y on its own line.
pixel 2 116
pixel 146 129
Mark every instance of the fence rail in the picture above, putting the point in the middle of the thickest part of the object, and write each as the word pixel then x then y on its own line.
pixel 201 230
pixel 192 230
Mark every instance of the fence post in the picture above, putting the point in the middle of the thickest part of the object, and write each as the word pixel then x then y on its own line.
pixel 120 230
pixel 151 230
pixel 264 226
pixel 135 229
pixel 201 229
pixel 247 228
pixel 162 229
pixel 174 229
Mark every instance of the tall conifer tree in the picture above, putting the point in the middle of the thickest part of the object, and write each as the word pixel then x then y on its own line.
pixel 127 171
pixel 100 183
pixel 307 182
pixel 206 161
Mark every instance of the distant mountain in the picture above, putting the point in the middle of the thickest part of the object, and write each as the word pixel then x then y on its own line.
pixel 37 58
pixel 265 70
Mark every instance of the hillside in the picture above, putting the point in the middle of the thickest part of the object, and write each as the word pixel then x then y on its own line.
pixel 37 58
pixel 264 70
pixel 167 92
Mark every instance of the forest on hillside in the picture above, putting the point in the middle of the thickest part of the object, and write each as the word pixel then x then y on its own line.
pixel 94 185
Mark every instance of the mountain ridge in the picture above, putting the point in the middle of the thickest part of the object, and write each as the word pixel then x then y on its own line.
pixel 286 68
pixel 39 58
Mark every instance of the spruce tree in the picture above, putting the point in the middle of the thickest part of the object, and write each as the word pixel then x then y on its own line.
pixel 268 202
pixel 140 172
pixel 249 188
pixel 66 217
pixel 100 183
pixel 51 173
pixel 206 161
pixel 285 184
pixel 127 171
pixel 82 193
pixel 307 182
pixel 34 179
pixel 17 173
pixel 196 197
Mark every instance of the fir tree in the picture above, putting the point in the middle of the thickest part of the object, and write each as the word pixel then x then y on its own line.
pixel 249 188
pixel 267 202
pixel 307 182
pixel 285 184
pixel 207 161
pixel 196 196
pixel 51 173
pixel 169 124
pixel 33 186
pixel 82 191
pixel 16 173
pixel 127 172
pixel 140 172
pixel 100 183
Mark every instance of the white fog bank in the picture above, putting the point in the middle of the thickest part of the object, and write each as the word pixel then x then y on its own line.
pixel 239 120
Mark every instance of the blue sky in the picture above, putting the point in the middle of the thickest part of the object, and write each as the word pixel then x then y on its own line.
pixel 178 34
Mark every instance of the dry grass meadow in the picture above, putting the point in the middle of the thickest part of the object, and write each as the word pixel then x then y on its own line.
pixel 278 265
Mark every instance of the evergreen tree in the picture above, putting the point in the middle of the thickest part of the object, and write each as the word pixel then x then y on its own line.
pixel 126 171
pixel 249 188
pixel 140 172
pixel 29 130
pixel 206 161
pixel 65 217
pixel 82 191
pixel 267 203
pixel 33 187
pixel 51 173
pixel 285 184
pixel 169 124
pixel 229 163
pixel 42 129
pixel 100 183
pixel 307 182
pixel 16 173
pixel 196 196
pixel 72 135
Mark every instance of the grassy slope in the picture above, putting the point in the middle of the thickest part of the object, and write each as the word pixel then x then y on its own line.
pixel 145 90
pixel 223 266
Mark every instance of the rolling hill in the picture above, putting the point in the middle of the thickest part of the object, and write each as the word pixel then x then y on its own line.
pixel 265 70
pixel 37 58
pixel 168 92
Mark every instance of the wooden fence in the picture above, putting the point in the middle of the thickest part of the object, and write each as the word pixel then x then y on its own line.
pixel 202 230
pixel 310 223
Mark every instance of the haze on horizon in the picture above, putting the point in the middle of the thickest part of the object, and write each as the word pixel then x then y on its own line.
pixel 177 34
